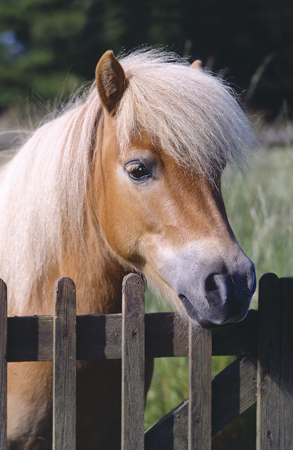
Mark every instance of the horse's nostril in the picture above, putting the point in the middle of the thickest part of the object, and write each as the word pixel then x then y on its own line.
pixel 210 283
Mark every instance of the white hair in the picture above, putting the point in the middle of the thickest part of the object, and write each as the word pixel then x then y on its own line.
pixel 191 114
pixel 188 113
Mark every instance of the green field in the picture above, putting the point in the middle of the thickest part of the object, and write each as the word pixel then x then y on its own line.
pixel 260 209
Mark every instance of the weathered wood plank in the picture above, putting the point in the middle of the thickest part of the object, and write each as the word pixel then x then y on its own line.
pixel 30 338
pixel 200 388
pixel 268 366
pixel 64 366
pixel 99 337
pixel 3 366
pixel 233 391
pixel 133 363
pixel 171 432
pixel 237 339
pixel 166 334
pixel 286 365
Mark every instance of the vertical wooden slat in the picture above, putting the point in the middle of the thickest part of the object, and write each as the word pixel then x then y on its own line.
pixel 64 366
pixel 133 356
pixel 200 389
pixel 286 363
pixel 3 366
pixel 268 364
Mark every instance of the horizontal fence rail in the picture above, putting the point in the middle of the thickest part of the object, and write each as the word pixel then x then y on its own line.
pixel 263 371
pixel 100 337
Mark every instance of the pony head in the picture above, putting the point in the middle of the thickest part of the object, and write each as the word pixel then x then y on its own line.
pixel 168 131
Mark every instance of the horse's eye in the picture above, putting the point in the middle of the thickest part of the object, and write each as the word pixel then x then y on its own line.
pixel 138 171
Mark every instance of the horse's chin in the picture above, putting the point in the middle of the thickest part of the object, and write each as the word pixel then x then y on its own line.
pixel 194 314
pixel 199 311
pixel 214 320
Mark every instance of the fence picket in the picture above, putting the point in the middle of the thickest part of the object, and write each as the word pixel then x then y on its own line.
pixel 133 367
pixel 286 363
pixel 64 366
pixel 200 388
pixel 3 366
pixel 268 364
pixel 275 364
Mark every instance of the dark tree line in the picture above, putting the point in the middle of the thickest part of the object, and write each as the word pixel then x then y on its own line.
pixel 51 46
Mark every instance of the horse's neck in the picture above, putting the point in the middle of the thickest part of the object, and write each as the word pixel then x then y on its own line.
pixel 98 276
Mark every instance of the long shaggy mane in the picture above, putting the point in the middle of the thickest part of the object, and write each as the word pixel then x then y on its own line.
pixel 189 114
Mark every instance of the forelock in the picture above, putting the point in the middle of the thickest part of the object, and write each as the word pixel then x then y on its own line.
pixel 188 113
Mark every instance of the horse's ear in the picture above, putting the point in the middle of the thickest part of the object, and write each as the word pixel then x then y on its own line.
pixel 196 64
pixel 110 79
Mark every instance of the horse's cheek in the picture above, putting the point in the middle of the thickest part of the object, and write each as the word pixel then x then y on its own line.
pixel 116 227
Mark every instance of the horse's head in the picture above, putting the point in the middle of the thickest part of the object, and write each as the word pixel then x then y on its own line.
pixel 165 220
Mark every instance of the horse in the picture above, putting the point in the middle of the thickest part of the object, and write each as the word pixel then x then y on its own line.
pixel 126 178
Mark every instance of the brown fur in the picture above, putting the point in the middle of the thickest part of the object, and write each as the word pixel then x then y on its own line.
pixel 126 226
pixel 196 64
pixel 110 81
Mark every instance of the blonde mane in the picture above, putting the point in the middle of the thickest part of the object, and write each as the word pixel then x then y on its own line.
pixel 191 114
pixel 188 113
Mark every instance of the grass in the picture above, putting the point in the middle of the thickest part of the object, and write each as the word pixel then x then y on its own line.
pixel 260 210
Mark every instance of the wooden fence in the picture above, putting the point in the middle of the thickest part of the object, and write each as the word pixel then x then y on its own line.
pixel 263 371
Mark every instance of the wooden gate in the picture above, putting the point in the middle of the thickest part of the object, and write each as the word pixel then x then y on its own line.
pixel 263 371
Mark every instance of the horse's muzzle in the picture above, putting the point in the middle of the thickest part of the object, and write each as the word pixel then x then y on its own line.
pixel 222 298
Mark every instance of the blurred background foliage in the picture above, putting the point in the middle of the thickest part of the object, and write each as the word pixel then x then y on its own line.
pixel 48 46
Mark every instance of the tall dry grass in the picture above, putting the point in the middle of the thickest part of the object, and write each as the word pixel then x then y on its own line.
pixel 260 209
